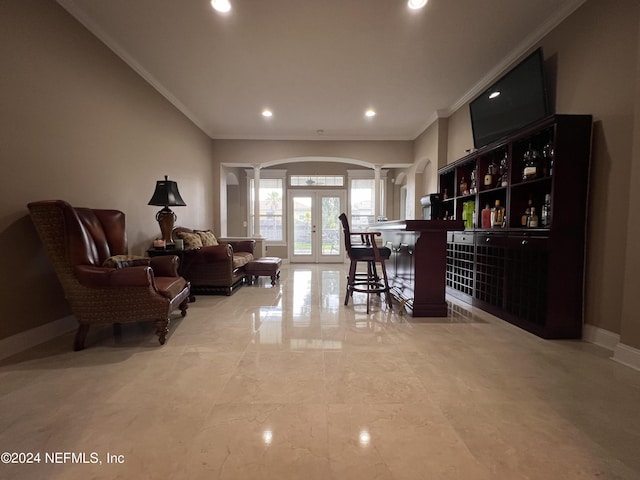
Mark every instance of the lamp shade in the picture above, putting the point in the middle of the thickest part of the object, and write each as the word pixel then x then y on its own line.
pixel 167 194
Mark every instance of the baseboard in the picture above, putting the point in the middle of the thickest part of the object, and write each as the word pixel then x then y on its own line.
pixel 17 343
pixel 627 355
pixel 600 336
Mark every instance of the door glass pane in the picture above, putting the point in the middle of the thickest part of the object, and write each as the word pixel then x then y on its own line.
pixel 330 229
pixel 302 225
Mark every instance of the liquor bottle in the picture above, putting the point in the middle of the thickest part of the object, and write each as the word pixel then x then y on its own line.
pixel 473 189
pixel 524 221
pixel 545 217
pixel 547 159
pixel 497 215
pixel 464 190
pixel 445 195
pixel 490 176
pixel 486 217
pixel 468 210
pixel 533 219
pixel 504 172
pixel 531 167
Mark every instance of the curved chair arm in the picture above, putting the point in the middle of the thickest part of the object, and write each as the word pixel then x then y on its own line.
pixel 100 277
pixel 216 253
pixel 241 245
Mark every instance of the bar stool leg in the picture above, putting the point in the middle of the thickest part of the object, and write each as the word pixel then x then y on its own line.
pixel 351 279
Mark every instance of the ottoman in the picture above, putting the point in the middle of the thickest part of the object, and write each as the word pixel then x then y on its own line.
pixel 263 267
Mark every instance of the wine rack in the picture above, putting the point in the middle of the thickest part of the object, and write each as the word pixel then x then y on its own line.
pixel 532 277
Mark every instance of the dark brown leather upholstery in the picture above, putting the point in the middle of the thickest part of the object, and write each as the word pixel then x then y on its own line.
pixel 78 241
pixel 217 268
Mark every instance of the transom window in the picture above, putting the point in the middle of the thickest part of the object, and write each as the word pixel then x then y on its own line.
pixel 316 181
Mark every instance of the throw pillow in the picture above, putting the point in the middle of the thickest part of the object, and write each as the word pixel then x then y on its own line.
pixel 191 240
pixel 207 237
pixel 123 261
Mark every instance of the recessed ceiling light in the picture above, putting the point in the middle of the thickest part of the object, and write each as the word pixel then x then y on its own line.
pixel 494 94
pixel 221 5
pixel 267 113
pixel 370 113
pixel 416 4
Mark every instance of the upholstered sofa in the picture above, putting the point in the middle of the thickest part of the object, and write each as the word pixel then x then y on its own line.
pixel 213 266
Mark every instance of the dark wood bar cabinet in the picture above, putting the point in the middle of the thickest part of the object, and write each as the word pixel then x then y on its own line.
pixel 418 263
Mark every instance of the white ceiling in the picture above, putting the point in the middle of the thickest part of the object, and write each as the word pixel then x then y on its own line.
pixel 318 65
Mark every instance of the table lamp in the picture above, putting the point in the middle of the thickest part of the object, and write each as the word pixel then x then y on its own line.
pixel 166 195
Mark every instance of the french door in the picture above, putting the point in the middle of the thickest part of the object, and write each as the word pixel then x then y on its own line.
pixel 314 228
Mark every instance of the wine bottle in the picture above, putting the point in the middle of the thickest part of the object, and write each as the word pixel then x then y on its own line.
pixel 545 217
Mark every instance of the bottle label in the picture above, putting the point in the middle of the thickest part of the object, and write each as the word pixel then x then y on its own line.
pixel 488 179
pixel 533 223
pixel 530 171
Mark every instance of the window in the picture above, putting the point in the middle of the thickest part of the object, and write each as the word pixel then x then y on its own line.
pixel 271 197
pixel 362 198
pixel 316 181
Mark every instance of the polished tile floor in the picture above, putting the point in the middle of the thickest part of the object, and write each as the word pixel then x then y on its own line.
pixel 287 383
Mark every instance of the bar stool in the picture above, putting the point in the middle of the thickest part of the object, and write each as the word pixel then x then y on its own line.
pixel 366 251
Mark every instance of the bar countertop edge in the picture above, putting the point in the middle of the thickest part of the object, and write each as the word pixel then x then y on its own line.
pixel 419 225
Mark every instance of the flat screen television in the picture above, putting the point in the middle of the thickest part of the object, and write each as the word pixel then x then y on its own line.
pixel 514 101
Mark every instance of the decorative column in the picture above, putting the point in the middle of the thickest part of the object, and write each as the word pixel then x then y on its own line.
pixel 376 189
pixel 256 200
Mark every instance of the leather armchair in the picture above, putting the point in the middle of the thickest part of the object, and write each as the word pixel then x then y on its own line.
pixel 216 268
pixel 78 241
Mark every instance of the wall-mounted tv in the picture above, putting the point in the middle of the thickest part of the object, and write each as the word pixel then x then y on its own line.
pixel 516 100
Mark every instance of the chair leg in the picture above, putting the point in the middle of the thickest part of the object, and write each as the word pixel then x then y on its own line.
pixel 81 335
pixel 183 307
pixel 162 328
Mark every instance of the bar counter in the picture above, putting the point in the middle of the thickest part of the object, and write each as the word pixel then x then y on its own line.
pixel 418 263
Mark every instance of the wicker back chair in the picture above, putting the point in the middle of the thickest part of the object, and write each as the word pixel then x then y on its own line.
pixel 78 242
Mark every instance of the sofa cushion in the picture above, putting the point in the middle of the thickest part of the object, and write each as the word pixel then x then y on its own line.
pixel 207 237
pixel 123 261
pixel 240 259
pixel 191 240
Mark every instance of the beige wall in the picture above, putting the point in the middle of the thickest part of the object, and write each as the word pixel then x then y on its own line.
pixel 430 154
pixel 592 61
pixel 596 66
pixel 630 325
pixel 78 124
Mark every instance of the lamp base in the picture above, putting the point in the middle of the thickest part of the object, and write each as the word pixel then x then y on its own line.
pixel 166 219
